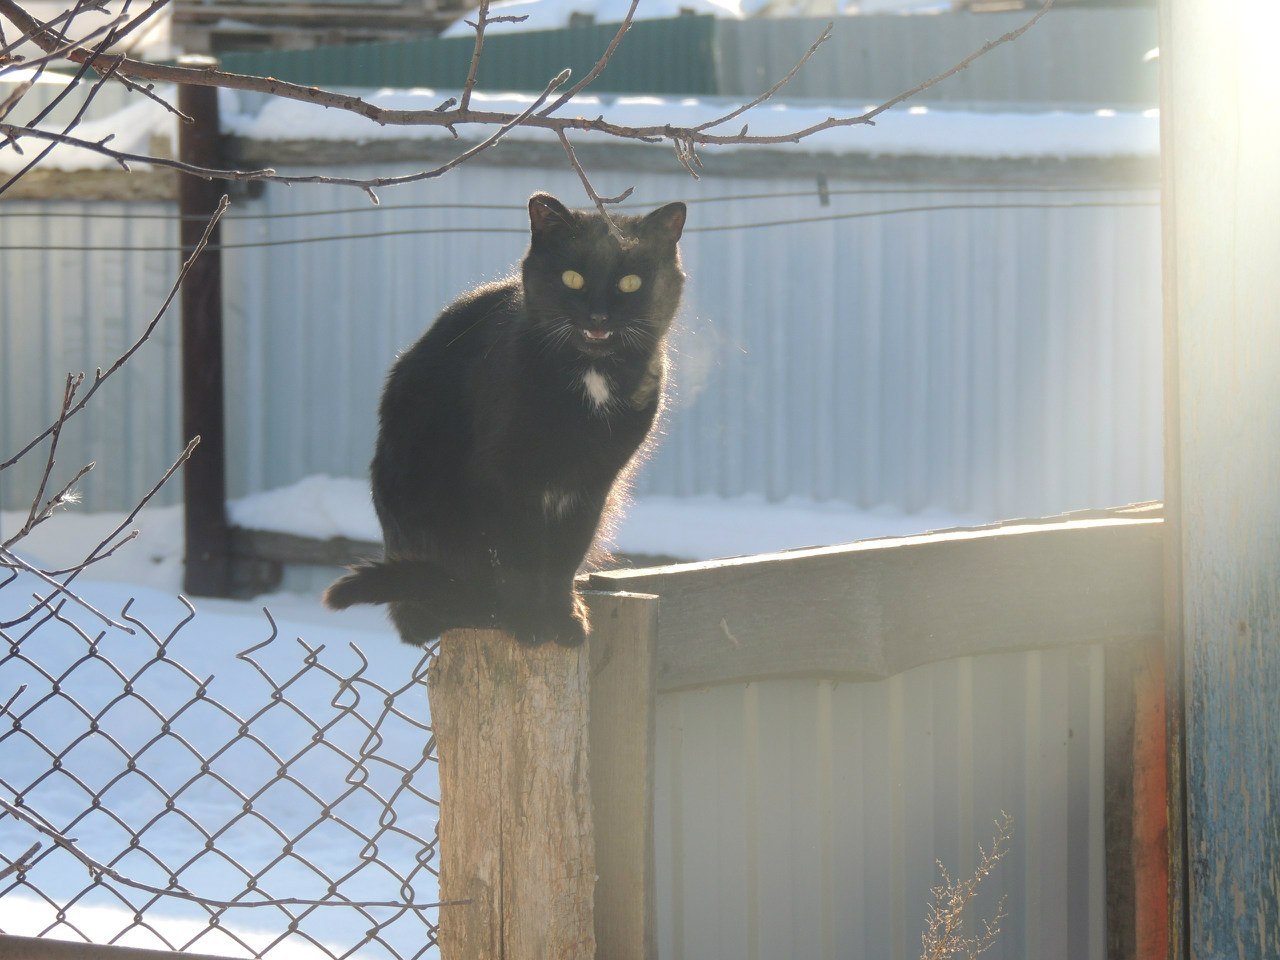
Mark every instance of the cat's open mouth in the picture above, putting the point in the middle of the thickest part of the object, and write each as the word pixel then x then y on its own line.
pixel 597 336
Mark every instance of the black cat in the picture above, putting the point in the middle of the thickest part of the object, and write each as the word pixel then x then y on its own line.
pixel 504 429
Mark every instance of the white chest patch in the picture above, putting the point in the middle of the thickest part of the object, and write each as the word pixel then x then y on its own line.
pixel 597 386
pixel 556 505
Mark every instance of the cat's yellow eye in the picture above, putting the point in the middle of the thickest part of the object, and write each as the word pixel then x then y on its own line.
pixel 573 279
pixel 630 283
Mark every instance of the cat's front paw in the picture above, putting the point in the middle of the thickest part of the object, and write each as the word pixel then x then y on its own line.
pixel 571 632
pixel 531 636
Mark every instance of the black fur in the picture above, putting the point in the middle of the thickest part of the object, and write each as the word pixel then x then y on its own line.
pixel 505 428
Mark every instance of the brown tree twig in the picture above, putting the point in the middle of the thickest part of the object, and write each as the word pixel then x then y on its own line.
pixel 37 514
pixel 768 94
pixel 100 377
pixel 65 46
pixel 481 21
pixel 600 64
pixel 100 552
pixel 20 862
pixel 598 200
pixel 15 562
pixel 32 27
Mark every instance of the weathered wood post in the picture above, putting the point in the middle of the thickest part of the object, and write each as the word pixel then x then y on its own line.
pixel 521 742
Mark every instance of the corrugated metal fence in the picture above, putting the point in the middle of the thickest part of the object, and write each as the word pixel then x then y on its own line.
pixel 993 352
pixel 806 819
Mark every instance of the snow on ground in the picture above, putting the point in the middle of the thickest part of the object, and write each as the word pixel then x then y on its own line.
pixel 54 690
pixel 691 528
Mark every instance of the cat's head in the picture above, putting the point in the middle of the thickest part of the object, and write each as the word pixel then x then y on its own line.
pixel 591 294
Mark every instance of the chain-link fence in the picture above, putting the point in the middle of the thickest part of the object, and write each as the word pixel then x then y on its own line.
pixel 160 790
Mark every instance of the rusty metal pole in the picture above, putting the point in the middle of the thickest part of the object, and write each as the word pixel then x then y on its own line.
pixel 208 554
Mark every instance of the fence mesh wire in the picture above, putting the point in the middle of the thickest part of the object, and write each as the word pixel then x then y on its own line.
pixel 283 802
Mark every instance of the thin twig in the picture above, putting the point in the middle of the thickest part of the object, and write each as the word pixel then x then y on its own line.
pixel 20 862
pixel 598 200
pixel 75 120
pixel 963 64
pixel 60 52
pixel 68 396
pixel 14 97
pixel 101 377
pixel 15 562
pixel 599 66
pixel 481 21
pixel 124 158
pixel 97 553
pixel 510 124
pixel 768 94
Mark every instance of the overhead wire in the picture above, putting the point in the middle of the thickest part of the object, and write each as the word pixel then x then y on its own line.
pixel 473 229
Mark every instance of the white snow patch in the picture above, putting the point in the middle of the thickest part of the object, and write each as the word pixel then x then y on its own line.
pixel 691 528
pixel 316 506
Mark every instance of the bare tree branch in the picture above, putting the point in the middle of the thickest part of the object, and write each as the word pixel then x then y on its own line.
pixel 686 138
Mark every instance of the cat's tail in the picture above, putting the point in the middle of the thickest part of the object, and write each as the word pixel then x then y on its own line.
pixel 385 581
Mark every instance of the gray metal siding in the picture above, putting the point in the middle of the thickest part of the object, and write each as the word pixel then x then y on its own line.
pixel 67 310
pixel 802 819
pixel 999 362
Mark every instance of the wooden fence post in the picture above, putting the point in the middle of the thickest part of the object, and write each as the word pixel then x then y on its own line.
pixel 208 537
pixel 546 790
pixel 515 804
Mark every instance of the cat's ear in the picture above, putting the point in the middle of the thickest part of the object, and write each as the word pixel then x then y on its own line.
pixel 547 215
pixel 666 223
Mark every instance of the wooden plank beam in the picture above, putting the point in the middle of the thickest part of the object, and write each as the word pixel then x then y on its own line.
pixel 44 948
pixel 623 644
pixel 878 607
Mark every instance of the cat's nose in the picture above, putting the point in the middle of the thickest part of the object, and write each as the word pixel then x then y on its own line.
pixel 599 319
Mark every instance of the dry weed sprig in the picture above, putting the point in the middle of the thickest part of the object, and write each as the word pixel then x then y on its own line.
pixel 945 935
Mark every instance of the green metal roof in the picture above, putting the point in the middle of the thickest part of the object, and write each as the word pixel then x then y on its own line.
pixel 673 56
